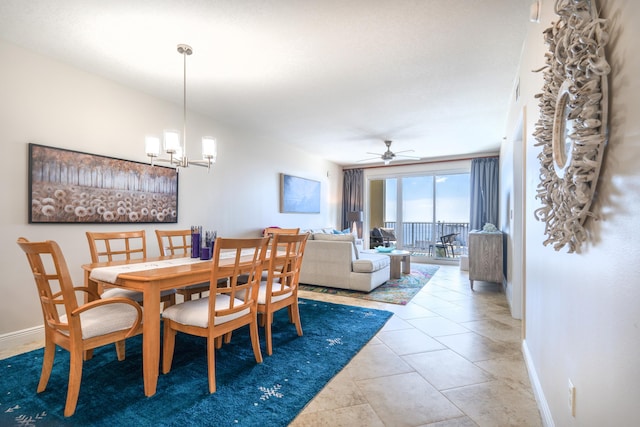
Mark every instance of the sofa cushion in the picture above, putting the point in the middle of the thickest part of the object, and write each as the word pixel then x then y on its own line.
pixel 339 238
pixel 368 263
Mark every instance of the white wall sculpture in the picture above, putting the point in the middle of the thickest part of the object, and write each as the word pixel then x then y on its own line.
pixel 572 128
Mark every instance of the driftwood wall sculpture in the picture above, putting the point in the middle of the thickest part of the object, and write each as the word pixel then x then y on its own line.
pixel 572 128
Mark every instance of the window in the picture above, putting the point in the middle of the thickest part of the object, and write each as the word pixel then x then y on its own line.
pixel 423 208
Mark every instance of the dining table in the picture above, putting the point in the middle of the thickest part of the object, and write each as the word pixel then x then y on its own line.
pixel 151 276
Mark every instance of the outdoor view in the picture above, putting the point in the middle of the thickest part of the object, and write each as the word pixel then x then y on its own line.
pixel 428 208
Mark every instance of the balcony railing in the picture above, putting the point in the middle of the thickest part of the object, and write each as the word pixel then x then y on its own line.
pixel 423 237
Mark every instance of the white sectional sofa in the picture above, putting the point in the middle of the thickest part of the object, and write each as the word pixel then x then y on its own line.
pixel 333 260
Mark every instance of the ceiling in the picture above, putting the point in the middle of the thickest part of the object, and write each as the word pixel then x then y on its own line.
pixel 332 77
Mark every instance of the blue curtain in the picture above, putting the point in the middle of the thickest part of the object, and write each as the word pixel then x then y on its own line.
pixel 484 178
pixel 352 194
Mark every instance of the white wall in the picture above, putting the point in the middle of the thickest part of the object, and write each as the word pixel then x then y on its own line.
pixel 53 104
pixel 582 310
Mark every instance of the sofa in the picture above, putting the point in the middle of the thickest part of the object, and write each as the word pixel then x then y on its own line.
pixel 333 260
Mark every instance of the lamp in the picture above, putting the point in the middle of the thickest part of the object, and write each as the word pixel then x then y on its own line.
pixel 176 150
pixel 355 218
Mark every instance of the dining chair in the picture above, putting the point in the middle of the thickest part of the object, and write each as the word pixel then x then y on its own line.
pixel 178 242
pixel 273 231
pixel 122 245
pixel 270 232
pixel 280 290
pixel 81 327
pixel 226 308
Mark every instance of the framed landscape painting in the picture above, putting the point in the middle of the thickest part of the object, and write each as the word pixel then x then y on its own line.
pixel 68 186
pixel 299 195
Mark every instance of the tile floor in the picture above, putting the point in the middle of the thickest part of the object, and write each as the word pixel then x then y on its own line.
pixel 451 357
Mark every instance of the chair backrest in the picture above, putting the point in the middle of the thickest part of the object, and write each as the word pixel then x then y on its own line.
pixel 448 239
pixel 118 245
pixel 389 234
pixel 247 261
pixel 284 267
pixel 53 281
pixel 174 242
pixel 273 231
pixel 270 231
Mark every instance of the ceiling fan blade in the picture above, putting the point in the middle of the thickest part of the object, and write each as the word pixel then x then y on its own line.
pixel 375 154
pixel 367 160
pixel 404 151
pixel 408 157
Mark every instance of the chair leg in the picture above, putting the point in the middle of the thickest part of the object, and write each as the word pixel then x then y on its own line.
pixel 255 340
pixel 227 337
pixel 268 320
pixel 47 365
pixel 295 312
pixel 168 345
pixel 211 364
pixel 75 378
pixel 120 350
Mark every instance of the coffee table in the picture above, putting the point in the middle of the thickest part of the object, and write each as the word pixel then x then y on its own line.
pixel 399 258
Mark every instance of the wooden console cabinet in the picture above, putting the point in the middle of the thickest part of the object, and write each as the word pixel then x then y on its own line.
pixel 485 257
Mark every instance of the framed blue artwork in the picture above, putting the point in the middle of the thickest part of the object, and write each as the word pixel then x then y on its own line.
pixel 299 195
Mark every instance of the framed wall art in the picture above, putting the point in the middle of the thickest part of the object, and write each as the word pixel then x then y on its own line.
pixel 299 195
pixel 68 186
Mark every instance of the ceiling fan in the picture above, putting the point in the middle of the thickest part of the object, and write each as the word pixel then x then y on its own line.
pixel 389 155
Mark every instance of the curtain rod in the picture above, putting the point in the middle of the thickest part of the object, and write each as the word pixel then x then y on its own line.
pixel 487 156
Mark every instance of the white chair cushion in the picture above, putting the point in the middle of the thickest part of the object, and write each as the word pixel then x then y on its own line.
pixel 196 312
pixel 105 319
pixel 128 293
pixel 262 294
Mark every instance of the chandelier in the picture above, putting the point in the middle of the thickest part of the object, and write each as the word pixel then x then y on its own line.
pixel 173 147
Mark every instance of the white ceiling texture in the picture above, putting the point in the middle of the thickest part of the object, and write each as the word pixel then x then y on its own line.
pixel 334 77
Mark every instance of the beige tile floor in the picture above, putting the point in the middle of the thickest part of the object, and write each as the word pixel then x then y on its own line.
pixel 451 357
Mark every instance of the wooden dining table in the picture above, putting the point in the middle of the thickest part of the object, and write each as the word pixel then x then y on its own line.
pixel 151 282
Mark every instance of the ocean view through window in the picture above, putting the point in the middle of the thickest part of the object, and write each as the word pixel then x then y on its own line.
pixel 422 209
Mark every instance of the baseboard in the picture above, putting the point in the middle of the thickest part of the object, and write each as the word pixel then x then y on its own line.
pixel 18 339
pixel 543 406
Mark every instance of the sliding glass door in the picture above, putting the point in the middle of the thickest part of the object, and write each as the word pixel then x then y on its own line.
pixel 423 210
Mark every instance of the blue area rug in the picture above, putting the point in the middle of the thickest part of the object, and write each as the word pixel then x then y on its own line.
pixel 394 291
pixel 248 394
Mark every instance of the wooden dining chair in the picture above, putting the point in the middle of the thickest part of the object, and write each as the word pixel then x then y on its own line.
pixel 280 290
pixel 226 308
pixel 122 245
pixel 273 231
pixel 81 327
pixel 178 242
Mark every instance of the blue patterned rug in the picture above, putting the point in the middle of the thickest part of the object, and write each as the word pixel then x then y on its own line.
pixel 248 394
pixel 396 291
